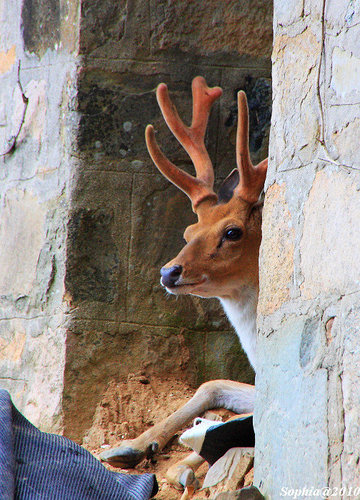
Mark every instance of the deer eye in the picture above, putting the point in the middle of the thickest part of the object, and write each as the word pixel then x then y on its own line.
pixel 233 234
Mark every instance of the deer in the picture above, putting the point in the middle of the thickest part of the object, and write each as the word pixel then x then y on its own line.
pixel 220 259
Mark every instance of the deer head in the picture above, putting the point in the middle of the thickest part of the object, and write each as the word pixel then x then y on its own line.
pixel 220 258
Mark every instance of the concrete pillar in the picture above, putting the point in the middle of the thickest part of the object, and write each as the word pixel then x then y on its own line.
pixel 38 67
pixel 308 391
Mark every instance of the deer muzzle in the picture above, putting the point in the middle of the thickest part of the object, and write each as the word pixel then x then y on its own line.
pixel 170 275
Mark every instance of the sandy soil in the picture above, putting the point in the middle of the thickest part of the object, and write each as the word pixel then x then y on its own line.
pixel 131 407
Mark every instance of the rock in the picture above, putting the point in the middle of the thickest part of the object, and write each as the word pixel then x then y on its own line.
pixel 250 493
pixel 228 473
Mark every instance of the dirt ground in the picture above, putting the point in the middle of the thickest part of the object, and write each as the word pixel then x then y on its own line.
pixel 131 407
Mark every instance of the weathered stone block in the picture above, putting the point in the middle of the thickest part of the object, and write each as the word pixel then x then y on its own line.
pixel 35 118
pixel 329 257
pixel 115 108
pixel 31 367
pixel 288 12
pixel 22 226
pixel 137 29
pixel 220 30
pixel 291 403
pixel 121 28
pixel 343 14
pixel 93 265
pixel 41 25
pixel 33 194
pixel 345 72
pixel 98 244
pixel 277 252
pixel 307 341
pixel 296 55
pixel 343 140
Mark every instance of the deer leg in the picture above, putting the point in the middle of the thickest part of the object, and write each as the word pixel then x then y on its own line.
pixel 182 473
pixel 234 396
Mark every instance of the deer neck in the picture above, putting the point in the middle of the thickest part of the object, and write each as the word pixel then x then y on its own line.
pixel 241 312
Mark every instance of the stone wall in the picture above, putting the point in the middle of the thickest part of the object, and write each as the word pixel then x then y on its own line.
pixel 38 69
pixel 86 221
pixel 307 411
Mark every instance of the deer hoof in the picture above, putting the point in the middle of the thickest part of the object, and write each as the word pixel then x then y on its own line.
pixel 128 457
pixel 188 478
pixel 153 448
pixel 124 457
pixel 182 476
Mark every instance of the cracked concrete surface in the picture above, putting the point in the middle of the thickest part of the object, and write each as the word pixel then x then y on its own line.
pixel 308 397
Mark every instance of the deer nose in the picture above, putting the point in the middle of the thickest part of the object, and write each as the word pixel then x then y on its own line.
pixel 169 275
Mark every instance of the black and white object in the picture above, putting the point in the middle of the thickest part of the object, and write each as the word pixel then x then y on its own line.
pixel 211 440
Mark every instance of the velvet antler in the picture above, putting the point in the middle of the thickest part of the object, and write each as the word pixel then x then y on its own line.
pixel 252 178
pixel 191 138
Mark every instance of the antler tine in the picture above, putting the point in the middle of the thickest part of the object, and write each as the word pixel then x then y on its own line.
pixel 252 178
pixel 203 99
pixel 186 182
pixel 191 138
pixel 242 137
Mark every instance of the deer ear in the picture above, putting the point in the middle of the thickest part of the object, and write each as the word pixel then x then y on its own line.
pixel 227 187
